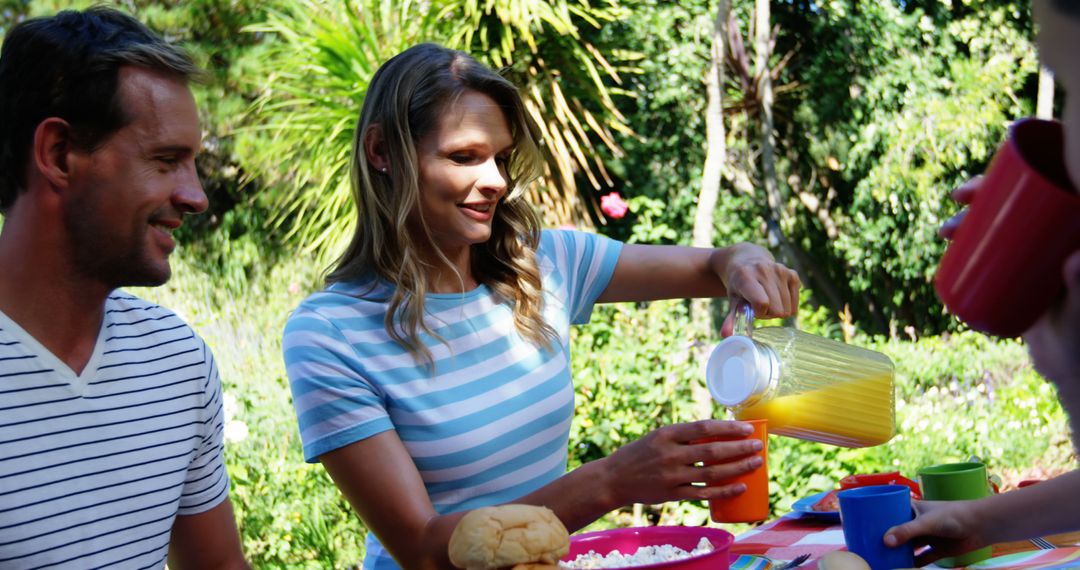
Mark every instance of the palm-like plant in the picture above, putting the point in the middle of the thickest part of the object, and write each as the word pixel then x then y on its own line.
pixel 306 114
pixel 327 51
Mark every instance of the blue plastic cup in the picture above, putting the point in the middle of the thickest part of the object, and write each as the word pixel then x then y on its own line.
pixel 866 513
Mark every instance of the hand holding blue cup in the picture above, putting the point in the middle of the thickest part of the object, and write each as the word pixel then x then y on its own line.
pixel 867 513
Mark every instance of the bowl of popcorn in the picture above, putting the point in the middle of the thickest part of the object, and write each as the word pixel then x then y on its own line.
pixel 666 547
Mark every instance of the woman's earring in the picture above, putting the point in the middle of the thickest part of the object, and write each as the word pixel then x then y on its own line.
pixel 383 170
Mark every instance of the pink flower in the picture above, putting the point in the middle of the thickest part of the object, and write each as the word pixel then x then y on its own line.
pixel 613 206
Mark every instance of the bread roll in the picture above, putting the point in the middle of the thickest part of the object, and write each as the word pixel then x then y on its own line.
pixel 504 536
pixel 842 560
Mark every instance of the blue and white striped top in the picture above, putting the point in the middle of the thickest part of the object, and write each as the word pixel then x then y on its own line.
pixel 493 422
pixel 95 467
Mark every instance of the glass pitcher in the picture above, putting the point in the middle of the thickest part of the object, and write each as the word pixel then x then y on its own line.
pixel 805 386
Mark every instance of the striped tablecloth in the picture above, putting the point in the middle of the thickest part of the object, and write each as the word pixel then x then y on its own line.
pixel 794 535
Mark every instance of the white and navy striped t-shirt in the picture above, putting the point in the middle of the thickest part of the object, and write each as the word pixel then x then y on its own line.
pixel 493 423
pixel 95 467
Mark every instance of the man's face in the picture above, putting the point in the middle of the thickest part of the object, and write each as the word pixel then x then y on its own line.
pixel 129 194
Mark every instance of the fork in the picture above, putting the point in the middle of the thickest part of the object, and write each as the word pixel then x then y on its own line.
pixel 793 563
pixel 1042 543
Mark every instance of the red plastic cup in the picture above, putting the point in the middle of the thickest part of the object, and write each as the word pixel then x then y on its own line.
pixel 1003 269
pixel 751 505
pixel 875 479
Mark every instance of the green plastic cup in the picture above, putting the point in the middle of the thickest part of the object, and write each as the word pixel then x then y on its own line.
pixel 956 482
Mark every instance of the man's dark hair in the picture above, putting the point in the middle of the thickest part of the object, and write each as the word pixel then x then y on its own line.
pixel 67 66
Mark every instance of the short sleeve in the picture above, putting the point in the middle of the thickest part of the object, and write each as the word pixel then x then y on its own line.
pixel 206 484
pixel 585 262
pixel 335 403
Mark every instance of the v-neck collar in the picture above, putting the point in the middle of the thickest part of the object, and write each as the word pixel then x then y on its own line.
pixel 78 381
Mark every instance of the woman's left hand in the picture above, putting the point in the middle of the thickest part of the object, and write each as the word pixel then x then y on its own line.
pixel 743 270
pixel 770 288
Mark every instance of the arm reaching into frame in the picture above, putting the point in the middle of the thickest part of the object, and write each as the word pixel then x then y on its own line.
pixel 743 270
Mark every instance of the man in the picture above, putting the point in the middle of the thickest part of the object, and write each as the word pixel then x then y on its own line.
pixel 1054 343
pixel 110 407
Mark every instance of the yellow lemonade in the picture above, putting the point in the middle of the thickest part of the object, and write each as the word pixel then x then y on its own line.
pixel 854 412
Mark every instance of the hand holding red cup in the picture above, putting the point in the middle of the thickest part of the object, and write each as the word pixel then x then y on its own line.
pixel 1003 269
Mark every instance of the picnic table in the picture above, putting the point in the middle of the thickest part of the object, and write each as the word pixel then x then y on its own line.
pixel 796 534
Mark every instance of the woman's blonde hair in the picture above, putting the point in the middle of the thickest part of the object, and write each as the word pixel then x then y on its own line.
pixel 404 101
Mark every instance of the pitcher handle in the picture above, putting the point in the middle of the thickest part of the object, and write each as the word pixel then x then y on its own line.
pixel 744 318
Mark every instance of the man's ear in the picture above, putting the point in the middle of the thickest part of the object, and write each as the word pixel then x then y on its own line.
pixel 375 148
pixel 50 150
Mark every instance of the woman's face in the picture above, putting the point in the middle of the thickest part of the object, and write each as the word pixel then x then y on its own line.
pixel 463 171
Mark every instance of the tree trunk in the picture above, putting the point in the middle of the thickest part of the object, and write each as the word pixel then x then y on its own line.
pixel 762 52
pixel 1045 106
pixel 768 153
pixel 715 157
pixel 777 214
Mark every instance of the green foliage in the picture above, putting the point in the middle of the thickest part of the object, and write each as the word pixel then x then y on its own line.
pixel 11 11
pixel 961 361
pixel 941 136
pixel 290 513
pixel 661 164
pixel 315 78
pixel 632 371
pixel 886 107
pixel 650 225
pixel 898 106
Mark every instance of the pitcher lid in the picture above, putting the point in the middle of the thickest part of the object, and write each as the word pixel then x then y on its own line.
pixel 738 371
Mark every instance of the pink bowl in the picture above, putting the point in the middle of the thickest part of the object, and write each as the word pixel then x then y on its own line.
pixel 628 540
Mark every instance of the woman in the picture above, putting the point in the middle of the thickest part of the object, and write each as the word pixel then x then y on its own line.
pixel 432 375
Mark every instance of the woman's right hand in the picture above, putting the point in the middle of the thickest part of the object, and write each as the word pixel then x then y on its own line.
pixel 662 465
pixel 963 194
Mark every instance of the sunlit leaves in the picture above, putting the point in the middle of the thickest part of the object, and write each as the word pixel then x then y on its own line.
pixel 305 116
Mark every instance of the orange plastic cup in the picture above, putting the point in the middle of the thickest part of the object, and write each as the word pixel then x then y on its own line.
pixel 753 504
